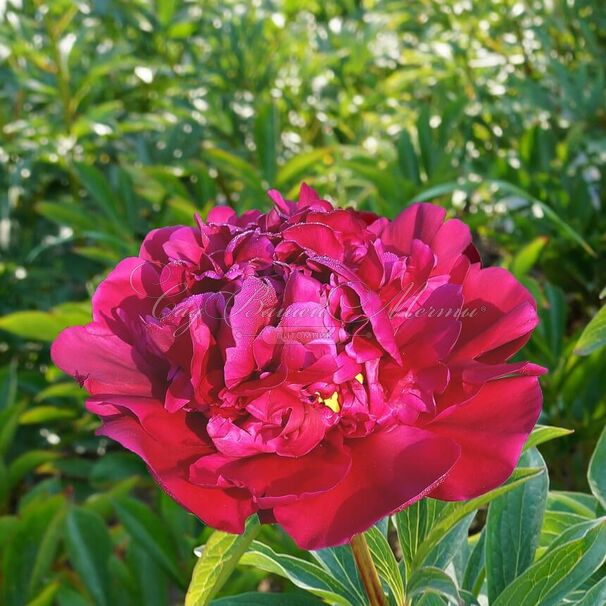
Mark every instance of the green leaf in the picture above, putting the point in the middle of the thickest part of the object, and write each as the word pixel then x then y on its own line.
pixel 269 599
pixel 596 596
pixel 549 213
pixel 559 572
pixel 407 158
pixel 300 165
pixel 44 325
pixel 443 551
pixel 432 580
pixel 235 166
pixel 475 569
pixel 413 523
pixel 454 513
pixel 47 550
pixel 220 556
pixel 545 433
pixel 266 139
pixel 572 502
pixel 303 574
pixel 21 552
pixel 150 578
pixel 101 191
pixel 593 336
pixel 386 563
pixel 597 470
pixel 149 531
pixel 46 414
pixel 527 257
pixel 339 562
pixel 513 528
pixel 89 548
pixel 28 461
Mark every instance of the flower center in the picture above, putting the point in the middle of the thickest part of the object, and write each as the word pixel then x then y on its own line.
pixel 333 401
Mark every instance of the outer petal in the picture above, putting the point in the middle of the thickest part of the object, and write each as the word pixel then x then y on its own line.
pixel 490 429
pixel 169 445
pixel 104 363
pixel 501 314
pixel 390 469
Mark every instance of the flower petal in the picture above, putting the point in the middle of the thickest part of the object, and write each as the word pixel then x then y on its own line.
pixel 491 430
pixel 390 469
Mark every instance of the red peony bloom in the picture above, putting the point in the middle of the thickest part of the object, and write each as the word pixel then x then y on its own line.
pixel 322 367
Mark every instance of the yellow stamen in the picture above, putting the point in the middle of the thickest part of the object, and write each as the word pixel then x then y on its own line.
pixel 332 402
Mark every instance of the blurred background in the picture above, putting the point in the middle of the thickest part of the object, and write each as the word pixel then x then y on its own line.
pixel 119 116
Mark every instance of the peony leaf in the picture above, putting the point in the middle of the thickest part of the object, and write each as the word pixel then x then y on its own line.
pixel 562 570
pixel 428 580
pixel 596 596
pixel 545 433
pixel 593 336
pixel 446 548
pixel 527 257
pixel 89 548
pixel 220 555
pixel 148 530
pixel 266 129
pixel 453 513
pixel 45 325
pixel 597 470
pixel 303 574
pixel 413 524
pixel 513 528
pixel 386 563
pixel 269 599
pixel 339 562
pixel 292 171
pixel 572 502
pixel 475 568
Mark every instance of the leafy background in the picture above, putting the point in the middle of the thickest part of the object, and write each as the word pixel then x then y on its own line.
pixel 119 116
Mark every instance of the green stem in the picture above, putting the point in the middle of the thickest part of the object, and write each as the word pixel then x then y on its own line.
pixel 367 570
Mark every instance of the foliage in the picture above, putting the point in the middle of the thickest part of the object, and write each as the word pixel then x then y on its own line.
pixel 117 117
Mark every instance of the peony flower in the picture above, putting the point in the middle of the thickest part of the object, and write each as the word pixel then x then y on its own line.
pixel 321 367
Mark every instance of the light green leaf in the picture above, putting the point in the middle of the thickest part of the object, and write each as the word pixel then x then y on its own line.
pixel 220 556
pixel 455 512
pixel 300 165
pixel 527 257
pixel 597 470
pixel 339 562
pixel 593 336
pixel 545 433
pixel 596 596
pixel 513 528
pixel 559 572
pixel 413 523
pixel 386 563
pixel 303 574
pixel 269 599
pixel 44 325
pixel 432 580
